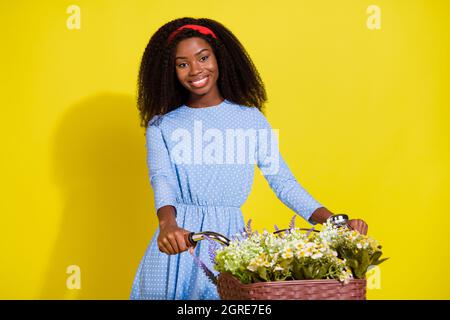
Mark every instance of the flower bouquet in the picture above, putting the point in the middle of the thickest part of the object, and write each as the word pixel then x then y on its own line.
pixel 293 264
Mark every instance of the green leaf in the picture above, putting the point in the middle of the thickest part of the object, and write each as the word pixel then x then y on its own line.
pixel 321 272
pixel 262 271
pixel 360 273
pixel 308 271
pixel 375 256
pixel 297 272
pixel 379 261
pixel 365 260
pixel 352 263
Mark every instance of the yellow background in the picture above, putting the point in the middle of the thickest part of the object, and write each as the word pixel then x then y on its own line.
pixel 363 118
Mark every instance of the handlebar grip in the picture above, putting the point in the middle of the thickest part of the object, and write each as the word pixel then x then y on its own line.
pixel 195 237
pixel 190 240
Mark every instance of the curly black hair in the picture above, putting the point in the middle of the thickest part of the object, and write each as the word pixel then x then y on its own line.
pixel 159 90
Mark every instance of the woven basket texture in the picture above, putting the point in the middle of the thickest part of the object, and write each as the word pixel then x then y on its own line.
pixel 230 288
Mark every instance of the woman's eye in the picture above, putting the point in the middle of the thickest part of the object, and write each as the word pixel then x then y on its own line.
pixel 181 65
pixel 204 57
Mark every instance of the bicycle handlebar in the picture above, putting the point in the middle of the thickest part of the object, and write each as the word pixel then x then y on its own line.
pixel 195 237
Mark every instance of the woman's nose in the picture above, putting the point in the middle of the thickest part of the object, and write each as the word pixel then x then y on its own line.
pixel 195 68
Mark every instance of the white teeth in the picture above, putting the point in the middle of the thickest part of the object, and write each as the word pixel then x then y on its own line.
pixel 200 82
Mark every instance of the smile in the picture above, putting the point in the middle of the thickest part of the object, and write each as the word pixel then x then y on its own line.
pixel 200 83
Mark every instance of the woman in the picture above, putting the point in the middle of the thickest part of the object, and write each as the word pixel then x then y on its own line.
pixel 197 84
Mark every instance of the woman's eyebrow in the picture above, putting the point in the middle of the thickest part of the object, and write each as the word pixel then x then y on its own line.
pixel 195 54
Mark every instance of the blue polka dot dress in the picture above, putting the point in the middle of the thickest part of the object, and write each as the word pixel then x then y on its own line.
pixel 194 166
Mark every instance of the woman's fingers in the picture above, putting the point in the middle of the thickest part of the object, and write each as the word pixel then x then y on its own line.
pixel 181 242
pixel 363 226
pixel 166 247
pixel 359 225
pixel 173 244
pixel 163 248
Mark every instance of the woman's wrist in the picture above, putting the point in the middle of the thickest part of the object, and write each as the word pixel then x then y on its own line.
pixel 167 216
pixel 321 215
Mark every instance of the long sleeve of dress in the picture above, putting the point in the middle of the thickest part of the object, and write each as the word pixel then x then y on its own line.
pixel 278 175
pixel 160 169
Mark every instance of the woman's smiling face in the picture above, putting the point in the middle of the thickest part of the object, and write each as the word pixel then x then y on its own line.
pixel 196 66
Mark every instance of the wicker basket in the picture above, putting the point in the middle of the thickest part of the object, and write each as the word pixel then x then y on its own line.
pixel 230 288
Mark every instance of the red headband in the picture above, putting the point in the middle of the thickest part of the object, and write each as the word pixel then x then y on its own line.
pixel 201 29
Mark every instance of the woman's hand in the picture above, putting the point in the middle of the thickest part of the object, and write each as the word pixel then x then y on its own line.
pixel 173 239
pixel 322 214
pixel 358 225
